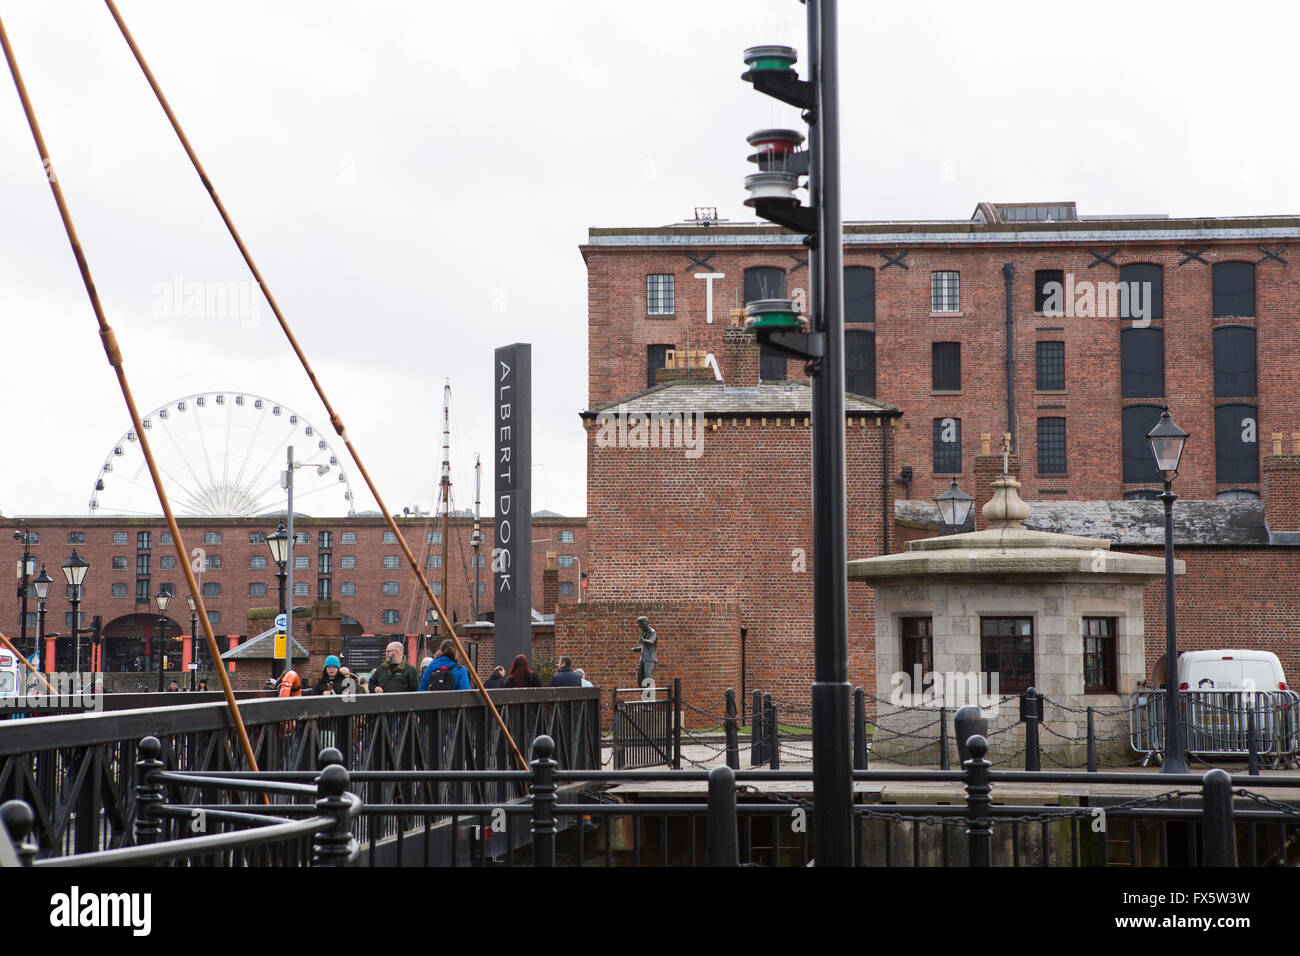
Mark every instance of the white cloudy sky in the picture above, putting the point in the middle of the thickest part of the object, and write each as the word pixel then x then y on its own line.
pixel 414 180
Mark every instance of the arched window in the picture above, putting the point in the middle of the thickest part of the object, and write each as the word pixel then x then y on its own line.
pixel 1233 289
pixel 1234 361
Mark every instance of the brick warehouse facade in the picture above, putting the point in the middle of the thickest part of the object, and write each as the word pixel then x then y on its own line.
pixel 713 545
pixel 355 552
pixel 1231 275
pixel 698 541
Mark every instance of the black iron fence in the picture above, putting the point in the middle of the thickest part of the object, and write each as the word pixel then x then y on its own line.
pixel 577 817
pixel 647 726
pixel 74 771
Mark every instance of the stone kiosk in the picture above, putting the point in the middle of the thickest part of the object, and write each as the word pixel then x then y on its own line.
pixel 1013 604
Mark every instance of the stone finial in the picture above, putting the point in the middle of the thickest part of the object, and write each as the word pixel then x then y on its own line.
pixel 1005 509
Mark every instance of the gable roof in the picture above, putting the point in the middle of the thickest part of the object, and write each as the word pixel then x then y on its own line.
pixel 715 398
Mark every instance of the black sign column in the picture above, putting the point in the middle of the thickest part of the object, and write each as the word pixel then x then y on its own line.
pixel 512 548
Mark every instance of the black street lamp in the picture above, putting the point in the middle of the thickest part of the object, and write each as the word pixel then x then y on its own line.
pixel 279 545
pixel 1167 441
pixel 954 508
pixel 42 587
pixel 162 598
pixel 194 639
pixel 74 569
pixel 26 568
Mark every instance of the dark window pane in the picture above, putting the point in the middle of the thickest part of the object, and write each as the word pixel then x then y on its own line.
pixel 1051 446
pixel 1041 278
pixel 1146 284
pixel 1139 463
pixel 945 366
pixel 1234 289
pixel 656 357
pixel 771 365
pixel 764 282
pixel 1050 364
pixel 1142 363
pixel 947 446
pixel 1007 648
pixel 860 362
pixel 1099 655
pixel 917 648
pixel 1236 444
pixel 1234 361
pixel 859 294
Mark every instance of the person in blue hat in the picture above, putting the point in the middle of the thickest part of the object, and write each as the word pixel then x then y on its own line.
pixel 331 681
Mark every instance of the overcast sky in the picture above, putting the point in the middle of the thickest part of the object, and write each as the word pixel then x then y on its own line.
pixel 414 180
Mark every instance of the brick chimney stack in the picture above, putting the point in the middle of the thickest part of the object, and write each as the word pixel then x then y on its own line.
pixel 988 466
pixel 550 584
pixel 1280 488
pixel 739 358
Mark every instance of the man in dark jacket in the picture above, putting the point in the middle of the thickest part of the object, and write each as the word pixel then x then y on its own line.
pixel 395 675
pixel 498 678
pixel 565 675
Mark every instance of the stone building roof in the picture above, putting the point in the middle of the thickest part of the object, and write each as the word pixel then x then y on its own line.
pixel 714 398
pixel 1225 524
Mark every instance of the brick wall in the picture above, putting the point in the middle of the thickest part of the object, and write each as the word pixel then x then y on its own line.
pixel 734 525
pixel 698 640
pixel 1281 480
pixel 1230 597
pixel 620 330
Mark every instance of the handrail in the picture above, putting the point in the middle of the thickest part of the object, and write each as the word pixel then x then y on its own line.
pixel 192 846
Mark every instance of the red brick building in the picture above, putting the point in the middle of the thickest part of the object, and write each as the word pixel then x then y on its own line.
pixel 354 561
pixel 1069 332
pixel 928 305
pixel 713 543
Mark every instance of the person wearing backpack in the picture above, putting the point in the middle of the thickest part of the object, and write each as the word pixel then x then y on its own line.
pixel 443 673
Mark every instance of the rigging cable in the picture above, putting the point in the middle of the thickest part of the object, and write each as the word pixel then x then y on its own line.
pixel 335 420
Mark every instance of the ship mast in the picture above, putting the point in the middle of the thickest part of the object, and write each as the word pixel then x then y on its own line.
pixel 477 538
pixel 445 484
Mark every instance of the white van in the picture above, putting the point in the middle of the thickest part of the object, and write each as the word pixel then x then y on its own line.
pixel 11 678
pixel 1230 670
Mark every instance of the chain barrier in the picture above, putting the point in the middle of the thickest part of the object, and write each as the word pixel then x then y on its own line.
pixel 1264 801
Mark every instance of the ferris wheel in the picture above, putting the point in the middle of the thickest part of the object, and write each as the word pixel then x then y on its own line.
pixel 220 454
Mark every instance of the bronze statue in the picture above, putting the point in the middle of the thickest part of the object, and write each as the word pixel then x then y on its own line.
pixel 648 649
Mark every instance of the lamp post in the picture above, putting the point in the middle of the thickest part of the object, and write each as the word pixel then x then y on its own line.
pixel 280 551
pixel 26 567
pixel 162 598
pixel 194 639
pixel 42 586
pixel 1167 441
pixel 74 569
pixel 954 508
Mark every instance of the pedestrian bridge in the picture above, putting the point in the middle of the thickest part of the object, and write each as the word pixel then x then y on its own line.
pixel 76 770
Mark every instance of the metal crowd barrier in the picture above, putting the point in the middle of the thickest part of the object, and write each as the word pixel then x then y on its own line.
pixel 1221 723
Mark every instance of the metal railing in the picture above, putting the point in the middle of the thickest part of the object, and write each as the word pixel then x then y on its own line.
pixel 226 834
pixel 1221 723
pixel 75 770
pixel 647 726
pixel 568 817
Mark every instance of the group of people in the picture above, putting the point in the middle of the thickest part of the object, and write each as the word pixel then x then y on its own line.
pixel 521 675
pixel 443 672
